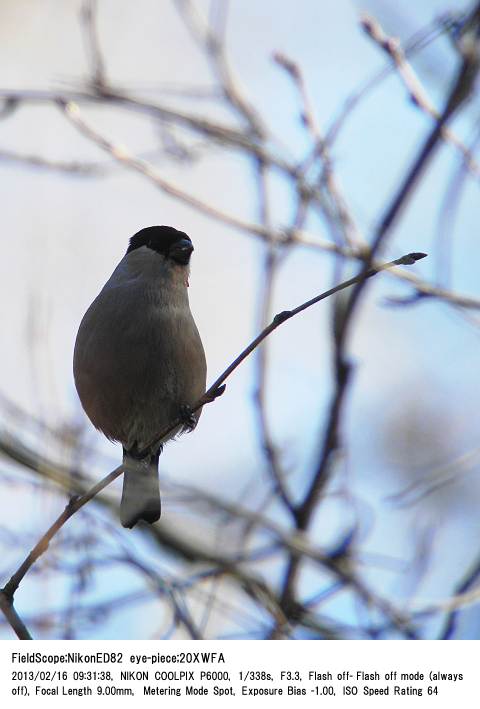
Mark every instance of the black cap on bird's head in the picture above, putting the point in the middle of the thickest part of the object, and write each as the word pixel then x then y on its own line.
pixel 165 240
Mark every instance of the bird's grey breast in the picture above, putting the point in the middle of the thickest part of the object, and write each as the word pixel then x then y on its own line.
pixel 139 352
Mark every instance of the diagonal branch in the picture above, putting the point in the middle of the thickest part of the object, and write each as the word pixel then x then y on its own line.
pixel 392 47
pixel 217 388
pixel 41 547
pixel 8 610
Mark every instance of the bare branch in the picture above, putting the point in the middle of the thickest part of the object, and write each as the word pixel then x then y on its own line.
pixel 321 151
pixel 88 14
pixel 7 608
pixel 41 547
pixel 464 595
pixel 73 167
pixel 272 261
pixel 416 91
pixel 212 42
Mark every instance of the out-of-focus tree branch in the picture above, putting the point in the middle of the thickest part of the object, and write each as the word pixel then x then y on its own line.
pixel 275 531
pixel 343 317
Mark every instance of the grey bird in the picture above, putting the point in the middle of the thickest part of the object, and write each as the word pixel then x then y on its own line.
pixel 139 360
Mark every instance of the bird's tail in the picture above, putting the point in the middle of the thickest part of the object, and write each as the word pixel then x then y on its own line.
pixel 141 490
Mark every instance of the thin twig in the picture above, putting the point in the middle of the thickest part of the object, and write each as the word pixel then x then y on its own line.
pixel 341 214
pixel 73 167
pixel 419 41
pixel 391 46
pixel 272 260
pixel 464 595
pixel 213 45
pixel 447 214
pixel 88 15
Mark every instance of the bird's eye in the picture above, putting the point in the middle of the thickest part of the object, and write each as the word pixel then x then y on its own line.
pixel 180 251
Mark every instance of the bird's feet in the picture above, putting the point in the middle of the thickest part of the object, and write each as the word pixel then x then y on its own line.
pixel 189 419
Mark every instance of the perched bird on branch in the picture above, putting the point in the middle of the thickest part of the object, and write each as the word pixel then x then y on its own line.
pixel 139 360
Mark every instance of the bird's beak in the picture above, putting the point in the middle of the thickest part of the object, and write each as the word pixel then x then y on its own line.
pixel 181 250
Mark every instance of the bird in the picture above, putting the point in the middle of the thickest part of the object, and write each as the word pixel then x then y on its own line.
pixel 139 361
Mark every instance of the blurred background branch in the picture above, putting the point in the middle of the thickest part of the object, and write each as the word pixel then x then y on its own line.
pixel 323 496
